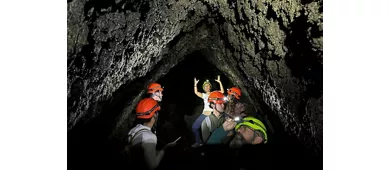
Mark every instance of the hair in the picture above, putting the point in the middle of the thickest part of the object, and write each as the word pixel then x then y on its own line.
pixel 231 107
pixel 140 121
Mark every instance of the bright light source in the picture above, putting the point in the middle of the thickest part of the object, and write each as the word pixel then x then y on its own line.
pixel 236 118
pixel 225 98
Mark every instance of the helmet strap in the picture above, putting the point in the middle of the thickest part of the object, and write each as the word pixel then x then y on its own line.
pixel 218 110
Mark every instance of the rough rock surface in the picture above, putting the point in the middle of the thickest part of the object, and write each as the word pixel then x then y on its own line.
pixel 270 48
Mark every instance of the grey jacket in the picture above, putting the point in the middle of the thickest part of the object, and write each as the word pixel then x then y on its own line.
pixel 213 122
pixel 143 147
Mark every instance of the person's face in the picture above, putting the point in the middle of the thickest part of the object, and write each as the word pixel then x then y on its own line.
pixel 244 136
pixel 158 96
pixel 220 107
pixel 230 97
pixel 238 141
pixel 207 88
pixel 246 133
pixel 249 135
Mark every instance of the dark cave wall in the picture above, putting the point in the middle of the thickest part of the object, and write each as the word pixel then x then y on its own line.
pixel 272 49
pixel 113 43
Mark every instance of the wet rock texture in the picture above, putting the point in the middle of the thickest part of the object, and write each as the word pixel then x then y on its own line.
pixel 270 48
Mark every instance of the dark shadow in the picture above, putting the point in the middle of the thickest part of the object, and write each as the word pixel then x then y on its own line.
pixel 180 105
pixel 180 108
pixel 303 61
pixel 87 143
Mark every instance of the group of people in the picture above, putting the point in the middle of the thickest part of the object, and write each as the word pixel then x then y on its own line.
pixel 224 120
pixel 142 139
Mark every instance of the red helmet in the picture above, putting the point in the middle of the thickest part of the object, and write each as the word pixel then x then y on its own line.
pixel 216 97
pixel 146 108
pixel 153 87
pixel 235 91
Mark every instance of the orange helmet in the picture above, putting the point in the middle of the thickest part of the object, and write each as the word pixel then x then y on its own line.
pixel 146 108
pixel 216 97
pixel 153 87
pixel 235 91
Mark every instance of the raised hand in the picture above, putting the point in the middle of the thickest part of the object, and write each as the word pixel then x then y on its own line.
pixel 229 124
pixel 218 79
pixel 195 81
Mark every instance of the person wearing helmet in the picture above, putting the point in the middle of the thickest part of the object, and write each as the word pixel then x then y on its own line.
pixel 233 93
pixel 249 130
pixel 141 140
pixel 233 103
pixel 206 108
pixel 244 146
pixel 155 91
pixel 217 117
